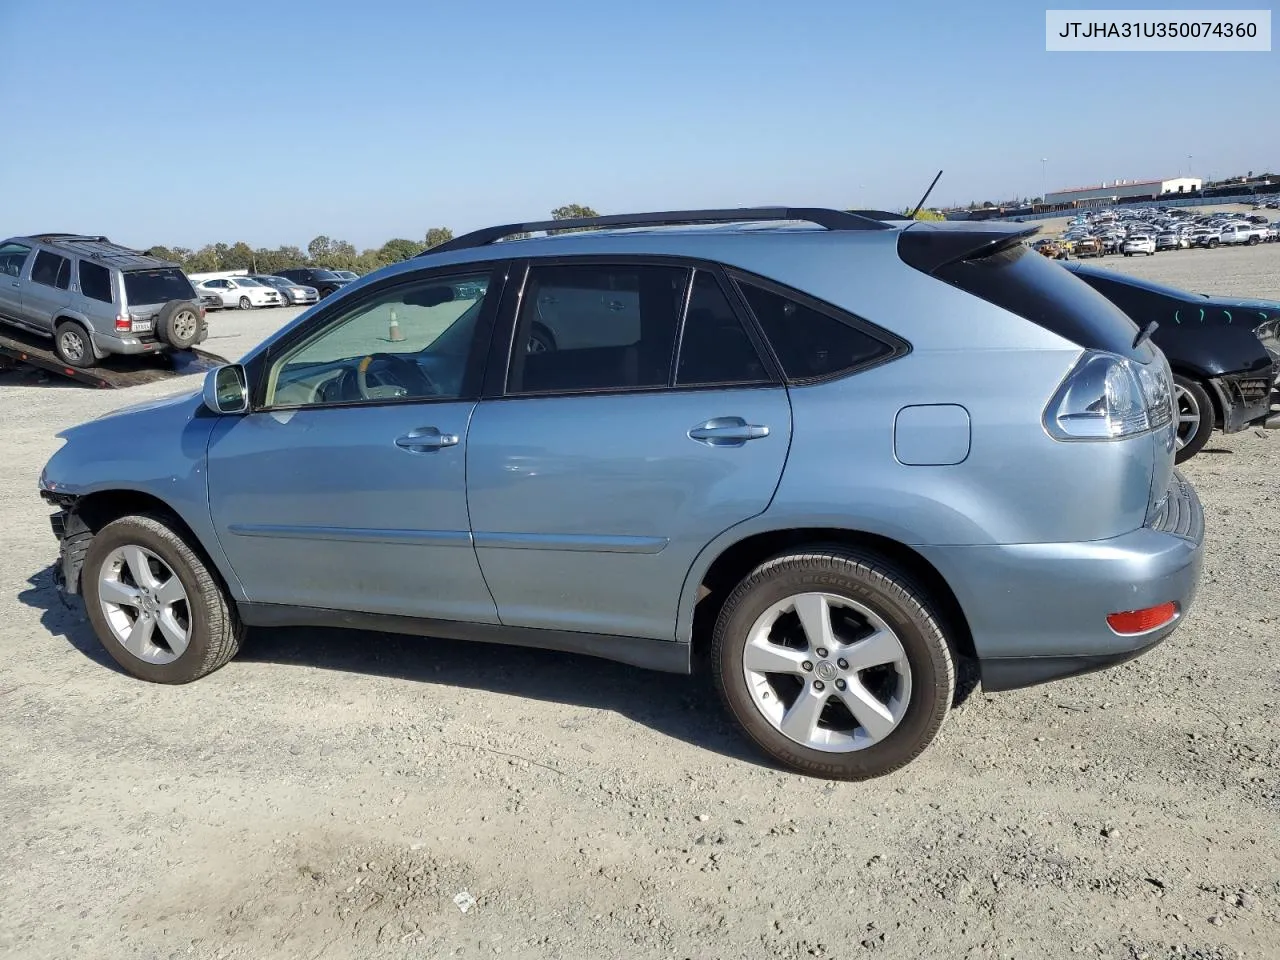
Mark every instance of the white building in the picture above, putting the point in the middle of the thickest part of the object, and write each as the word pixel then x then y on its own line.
pixel 1116 189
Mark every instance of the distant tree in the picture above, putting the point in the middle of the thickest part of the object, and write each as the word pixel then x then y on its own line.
pixel 204 260
pixel 239 256
pixel 987 205
pixel 436 236
pixel 342 255
pixel 924 214
pixel 397 249
pixel 571 211
pixel 163 253
pixel 319 249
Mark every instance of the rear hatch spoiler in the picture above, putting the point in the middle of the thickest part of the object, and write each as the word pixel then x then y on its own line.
pixel 930 246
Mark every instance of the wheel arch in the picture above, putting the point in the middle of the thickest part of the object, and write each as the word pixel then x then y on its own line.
pixel 1210 386
pixel 718 571
pixel 96 509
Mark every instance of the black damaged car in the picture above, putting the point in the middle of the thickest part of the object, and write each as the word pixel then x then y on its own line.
pixel 1224 351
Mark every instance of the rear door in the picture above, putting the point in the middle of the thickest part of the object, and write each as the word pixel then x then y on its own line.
pixel 48 292
pixel 596 473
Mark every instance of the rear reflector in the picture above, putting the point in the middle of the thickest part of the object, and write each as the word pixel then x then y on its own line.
pixel 1140 621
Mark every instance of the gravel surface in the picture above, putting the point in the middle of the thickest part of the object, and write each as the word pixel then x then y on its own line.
pixel 334 795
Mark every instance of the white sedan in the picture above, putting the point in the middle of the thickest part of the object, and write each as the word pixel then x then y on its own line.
pixel 1139 243
pixel 241 292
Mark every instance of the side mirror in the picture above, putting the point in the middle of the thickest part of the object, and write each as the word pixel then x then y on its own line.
pixel 226 389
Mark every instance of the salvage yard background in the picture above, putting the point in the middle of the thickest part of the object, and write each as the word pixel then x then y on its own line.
pixel 329 794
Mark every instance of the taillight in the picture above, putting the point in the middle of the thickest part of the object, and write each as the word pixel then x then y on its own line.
pixel 1132 622
pixel 1108 397
pixel 123 323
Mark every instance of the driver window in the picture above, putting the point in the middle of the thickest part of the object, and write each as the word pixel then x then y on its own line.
pixel 409 342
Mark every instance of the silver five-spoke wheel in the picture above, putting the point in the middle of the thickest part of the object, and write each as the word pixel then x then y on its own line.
pixel 827 672
pixel 1188 415
pixel 144 604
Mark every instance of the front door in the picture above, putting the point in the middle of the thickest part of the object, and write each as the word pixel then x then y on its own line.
pixel 600 474
pixel 345 488
pixel 13 256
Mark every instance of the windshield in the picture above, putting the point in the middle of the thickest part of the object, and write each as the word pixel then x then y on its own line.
pixel 246 282
pixel 157 286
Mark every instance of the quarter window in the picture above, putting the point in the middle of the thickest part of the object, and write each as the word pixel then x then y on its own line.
pixel 95 281
pixel 714 348
pixel 596 327
pixel 47 267
pixel 810 343
pixel 410 342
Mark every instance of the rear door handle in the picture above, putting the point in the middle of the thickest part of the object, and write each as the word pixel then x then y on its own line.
pixel 425 439
pixel 727 432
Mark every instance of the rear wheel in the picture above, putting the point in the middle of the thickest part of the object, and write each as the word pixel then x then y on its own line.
pixel 72 345
pixel 1195 417
pixel 834 662
pixel 153 603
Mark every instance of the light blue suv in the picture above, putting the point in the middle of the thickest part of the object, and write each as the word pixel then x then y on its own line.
pixel 830 455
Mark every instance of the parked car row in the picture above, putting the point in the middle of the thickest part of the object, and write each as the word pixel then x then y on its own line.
pixel 288 288
pixel 715 502
pixel 1149 231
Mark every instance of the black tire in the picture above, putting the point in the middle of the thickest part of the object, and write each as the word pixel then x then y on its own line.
pixel 73 345
pixel 245 303
pixel 1211 244
pixel 178 324
pixel 889 592
pixel 1196 441
pixel 216 630
pixel 1253 241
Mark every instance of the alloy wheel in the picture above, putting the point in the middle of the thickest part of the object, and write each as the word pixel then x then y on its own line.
pixel 72 345
pixel 145 604
pixel 827 672
pixel 1188 415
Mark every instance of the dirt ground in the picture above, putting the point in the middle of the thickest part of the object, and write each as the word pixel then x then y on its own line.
pixel 329 795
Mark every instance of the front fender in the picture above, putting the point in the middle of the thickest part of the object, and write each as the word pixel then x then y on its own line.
pixel 158 449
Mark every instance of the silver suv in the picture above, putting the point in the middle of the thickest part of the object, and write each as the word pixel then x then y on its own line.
pixel 96 298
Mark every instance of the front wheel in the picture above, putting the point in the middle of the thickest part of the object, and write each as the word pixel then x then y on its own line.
pixel 834 662
pixel 1195 417
pixel 155 606
pixel 245 303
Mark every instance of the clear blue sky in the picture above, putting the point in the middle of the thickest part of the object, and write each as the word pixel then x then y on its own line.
pixel 271 122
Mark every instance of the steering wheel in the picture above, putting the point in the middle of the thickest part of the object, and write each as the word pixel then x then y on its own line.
pixel 406 374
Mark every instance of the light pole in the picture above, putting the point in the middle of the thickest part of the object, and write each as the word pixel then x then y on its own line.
pixel 1044 181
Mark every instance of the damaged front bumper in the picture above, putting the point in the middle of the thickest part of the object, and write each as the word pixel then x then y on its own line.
pixel 1245 398
pixel 73 542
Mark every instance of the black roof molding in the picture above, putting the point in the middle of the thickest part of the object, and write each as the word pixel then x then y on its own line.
pixel 830 219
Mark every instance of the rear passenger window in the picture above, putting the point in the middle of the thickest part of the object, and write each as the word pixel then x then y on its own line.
pixel 95 281
pixel 810 344
pixel 46 268
pixel 714 348
pixel 64 276
pixel 596 327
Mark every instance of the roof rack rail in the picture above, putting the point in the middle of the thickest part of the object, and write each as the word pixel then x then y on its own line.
pixel 50 237
pixel 831 219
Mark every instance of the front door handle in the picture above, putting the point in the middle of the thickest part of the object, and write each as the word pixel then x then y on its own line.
pixel 425 439
pixel 727 432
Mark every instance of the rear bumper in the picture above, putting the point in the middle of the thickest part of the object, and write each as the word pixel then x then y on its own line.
pixel 1038 612
pixel 129 346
